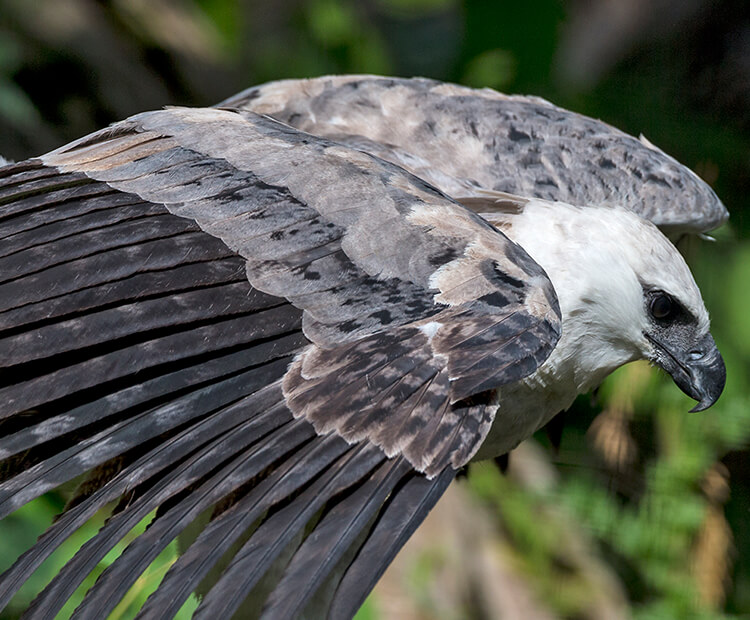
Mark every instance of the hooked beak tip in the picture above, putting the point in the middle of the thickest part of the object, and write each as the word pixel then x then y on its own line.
pixel 704 404
pixel 708 379
pixel 700 377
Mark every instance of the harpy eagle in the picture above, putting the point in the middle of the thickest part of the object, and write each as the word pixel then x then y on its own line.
pixel 292 317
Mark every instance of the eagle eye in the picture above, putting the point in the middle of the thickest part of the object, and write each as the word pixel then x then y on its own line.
pixel 662 306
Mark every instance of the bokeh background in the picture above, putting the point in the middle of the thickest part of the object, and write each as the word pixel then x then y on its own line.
pixel 644 510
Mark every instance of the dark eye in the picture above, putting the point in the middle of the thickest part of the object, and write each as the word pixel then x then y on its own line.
pixel 662 306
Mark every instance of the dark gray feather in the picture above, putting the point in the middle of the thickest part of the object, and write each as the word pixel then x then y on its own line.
pixel 222 532
pixel 336 533
pixel 117 579
pixel 150 465
pixel 277 532
pixel 401 516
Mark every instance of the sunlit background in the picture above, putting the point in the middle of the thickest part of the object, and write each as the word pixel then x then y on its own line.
pixel 644 511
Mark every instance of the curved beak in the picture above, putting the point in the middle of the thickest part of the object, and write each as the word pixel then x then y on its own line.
pixel 698 370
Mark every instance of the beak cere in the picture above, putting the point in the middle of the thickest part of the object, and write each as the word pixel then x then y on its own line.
pixel 697 370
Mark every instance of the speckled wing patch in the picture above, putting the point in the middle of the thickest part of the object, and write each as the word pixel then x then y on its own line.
pixel 415 307
pixel 464 140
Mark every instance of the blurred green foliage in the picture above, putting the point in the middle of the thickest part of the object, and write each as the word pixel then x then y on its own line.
pixel 71 66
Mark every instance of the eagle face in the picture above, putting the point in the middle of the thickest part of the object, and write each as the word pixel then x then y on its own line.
pixel 674 323
pixel 679 346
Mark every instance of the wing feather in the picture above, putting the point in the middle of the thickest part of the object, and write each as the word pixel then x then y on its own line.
pixel 117 579
pixel 222 532
pixel 469 142
pixel 334 536
pixel 147 466
pixel 402 514
pixel 281 530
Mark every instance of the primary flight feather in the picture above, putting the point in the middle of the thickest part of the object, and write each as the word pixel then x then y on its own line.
pixel 293 317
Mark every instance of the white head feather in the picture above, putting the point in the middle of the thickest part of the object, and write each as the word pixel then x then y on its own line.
pixel 600 260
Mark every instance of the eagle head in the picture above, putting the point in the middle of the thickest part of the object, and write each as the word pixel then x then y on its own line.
pixel 625 293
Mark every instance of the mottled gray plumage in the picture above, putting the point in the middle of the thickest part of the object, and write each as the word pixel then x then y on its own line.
pixel 299 339
pixel 467 141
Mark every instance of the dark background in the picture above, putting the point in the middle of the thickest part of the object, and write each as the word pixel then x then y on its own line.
pixel 655 500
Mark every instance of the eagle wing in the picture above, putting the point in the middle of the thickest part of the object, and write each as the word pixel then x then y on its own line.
pixel 470 142
pixel 207 311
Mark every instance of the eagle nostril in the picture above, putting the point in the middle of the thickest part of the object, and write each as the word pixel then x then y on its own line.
pixel 696 355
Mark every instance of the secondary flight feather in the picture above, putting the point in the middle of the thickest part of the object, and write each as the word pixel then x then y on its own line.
pixel 294 316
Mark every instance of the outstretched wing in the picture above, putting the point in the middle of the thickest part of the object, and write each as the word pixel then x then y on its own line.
pixel 466 141
pixel 208 311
